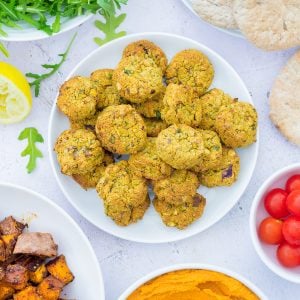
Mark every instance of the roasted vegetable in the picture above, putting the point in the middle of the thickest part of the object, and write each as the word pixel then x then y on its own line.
pixel 50 288
pixel 6 292
pixel 59 269
pixel 16 276
pixel 29 293
pixel 38 275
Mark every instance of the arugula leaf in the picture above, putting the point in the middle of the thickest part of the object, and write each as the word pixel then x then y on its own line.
pixel 4 50
pixel 38 78
pixel 40 13
pixel 33 136
pixel 109 28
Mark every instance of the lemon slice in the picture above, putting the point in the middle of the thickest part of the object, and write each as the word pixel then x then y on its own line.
pixel 15 96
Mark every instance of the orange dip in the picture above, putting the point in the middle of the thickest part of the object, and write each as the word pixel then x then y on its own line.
pixel 193 285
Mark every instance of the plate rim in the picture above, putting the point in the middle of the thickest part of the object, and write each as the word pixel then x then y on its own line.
pixel 70 219
pixel 40 35
pixel 145 35
pixel 195 266
pixel 236 33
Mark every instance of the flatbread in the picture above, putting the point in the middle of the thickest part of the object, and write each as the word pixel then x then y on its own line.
pixel 269 24
pixel 285 100
pixel 216 12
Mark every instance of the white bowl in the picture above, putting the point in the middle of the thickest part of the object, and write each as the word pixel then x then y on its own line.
pixel 233 32
pixel 45 216
pixel 29 33
pixel 267 253
pixel 168 269
pixel 219 200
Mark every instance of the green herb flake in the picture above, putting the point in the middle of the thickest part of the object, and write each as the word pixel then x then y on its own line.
pixel 128 72
pixel 157 114
pixel 38 78
pixel 33 136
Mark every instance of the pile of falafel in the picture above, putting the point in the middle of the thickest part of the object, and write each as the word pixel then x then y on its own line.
pixel 176 132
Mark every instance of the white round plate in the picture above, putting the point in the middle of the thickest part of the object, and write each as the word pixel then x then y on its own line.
pixel 267 253
pixel 233 32
pixel 44 216
pixel 151 229
pixel 168 269
pixel 29 33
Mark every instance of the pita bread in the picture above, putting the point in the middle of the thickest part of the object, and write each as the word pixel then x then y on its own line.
pixel 269 24
pixel 216 12
pixel 285 100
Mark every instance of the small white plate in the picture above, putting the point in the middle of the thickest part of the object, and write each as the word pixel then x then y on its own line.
pixel 168 269
pixel 151 229
pixel 267 253
pixel 233 32
pixel 44 216
pixel 29 33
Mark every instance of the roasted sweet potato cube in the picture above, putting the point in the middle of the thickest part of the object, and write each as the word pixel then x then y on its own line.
pixel 50 288
pixel 6 292
pixel 58 268
pixel 16 276
pixel 9 242
pixel 2 251
pixel 29 293
pixel 38 275
pixel 11 226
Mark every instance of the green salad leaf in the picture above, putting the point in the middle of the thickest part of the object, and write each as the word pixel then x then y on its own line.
pixel 33 136
pixel 109 28
pixel 38 78
pixel 4 50
pixel 47 15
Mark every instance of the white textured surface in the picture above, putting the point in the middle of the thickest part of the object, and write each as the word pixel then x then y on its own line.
pixel 227 243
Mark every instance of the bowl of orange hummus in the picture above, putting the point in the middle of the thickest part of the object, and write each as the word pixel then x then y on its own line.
pixel 193 282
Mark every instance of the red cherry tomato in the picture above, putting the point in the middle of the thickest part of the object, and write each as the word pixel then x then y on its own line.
pixel 291 230
pixel 293 203
pixel 275 203
pixel 288 255
pixel 293 183
pixel 270 231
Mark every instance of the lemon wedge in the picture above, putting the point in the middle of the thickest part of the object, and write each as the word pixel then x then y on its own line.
pixel 15 95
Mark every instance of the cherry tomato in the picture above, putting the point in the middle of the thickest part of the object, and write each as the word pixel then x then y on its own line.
pixel 293 183
pixel 291 230
pixel 270 231
pixel 293 203
pixel 275 203
pixel 288 255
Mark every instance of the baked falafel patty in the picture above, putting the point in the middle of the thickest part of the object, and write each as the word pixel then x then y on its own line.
pixel 191 67
pixel 180 146
pixel 121 129
pixel 78 151
pixel 77 98
pixel 236 124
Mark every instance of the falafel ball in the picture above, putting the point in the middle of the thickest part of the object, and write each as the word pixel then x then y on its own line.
pixel 151 108
pixel 212 151
pixel 78 151
pixel 77 98
pixel 122 191
pixel 88 123
pixel 191 67
pixel 147 163
pixel 178 188
pixel 236 124
pixel 180 216
pixel 90 179
pixel 138 79
pixel 147 49
pixel 107 93
pixel 121 129
pixel 211 102
pixel 181 105
pixel 180 146
pixel 226 173
pixel 154 126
